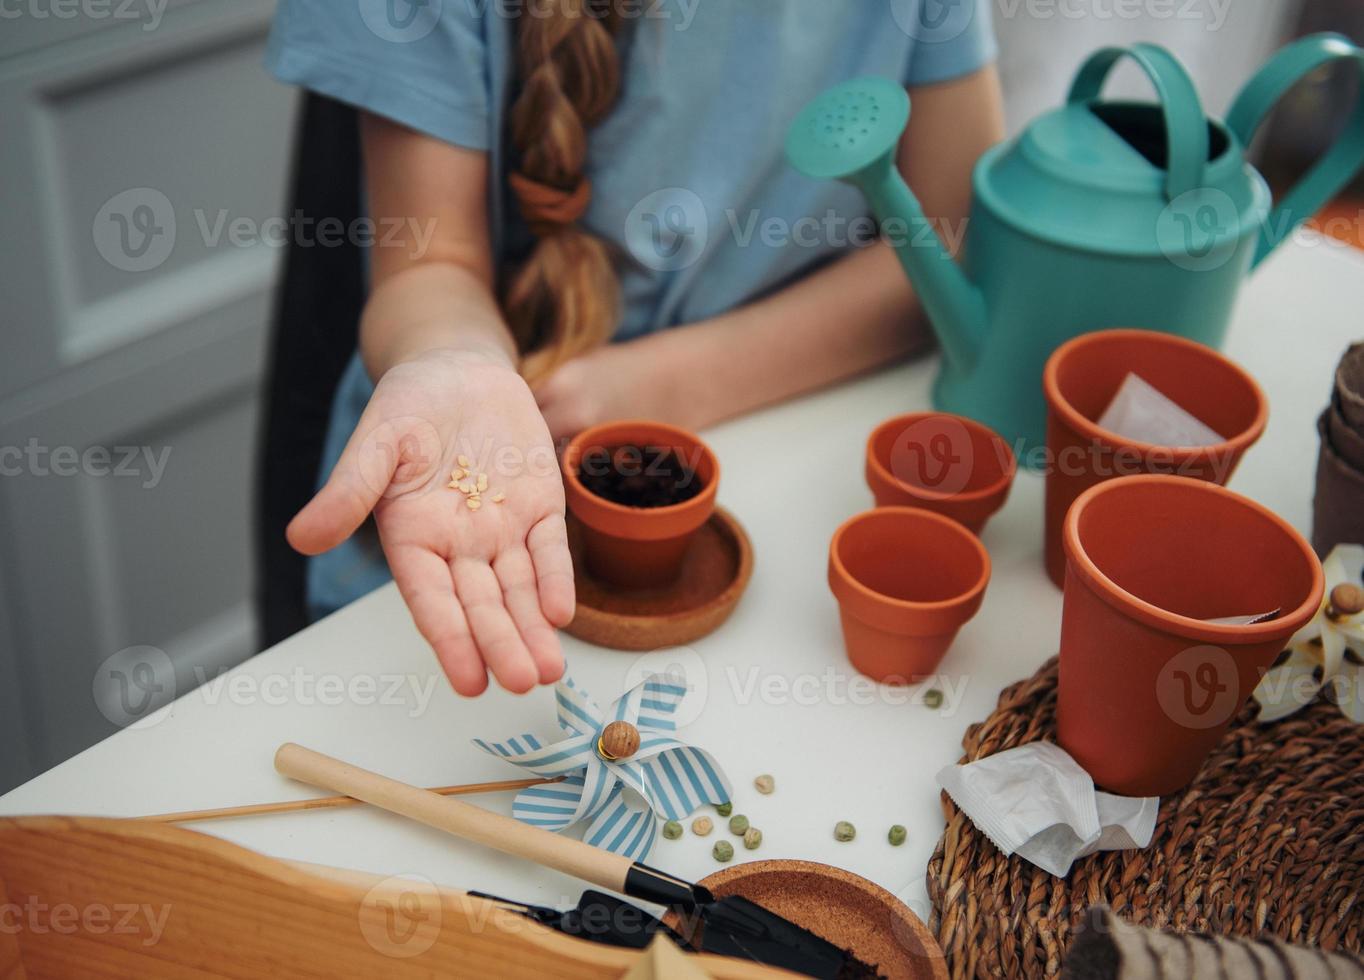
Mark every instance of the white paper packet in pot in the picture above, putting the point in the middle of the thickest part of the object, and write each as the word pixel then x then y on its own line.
pixel 1037 802
pixel 1142 412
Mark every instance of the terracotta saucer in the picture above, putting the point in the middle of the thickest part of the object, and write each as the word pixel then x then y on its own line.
pixel 843 908
pixel 714 575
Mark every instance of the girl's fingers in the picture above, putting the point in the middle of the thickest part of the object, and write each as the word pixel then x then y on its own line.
pixel 424 580
pixel 548 546
pixel 517 577
pixel 498 640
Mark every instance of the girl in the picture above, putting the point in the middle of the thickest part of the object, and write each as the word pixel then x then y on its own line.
pixel 600 224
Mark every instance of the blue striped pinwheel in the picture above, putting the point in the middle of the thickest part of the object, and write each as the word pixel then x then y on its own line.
pixel 622 768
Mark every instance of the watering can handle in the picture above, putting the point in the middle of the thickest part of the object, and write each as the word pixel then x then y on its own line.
pixel 1334 170
pixel 1186 127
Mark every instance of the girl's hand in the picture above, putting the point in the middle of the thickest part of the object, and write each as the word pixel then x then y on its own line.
pixel 486 588
pixel 616 381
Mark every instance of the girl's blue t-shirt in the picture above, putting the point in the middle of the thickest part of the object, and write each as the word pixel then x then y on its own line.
pixel 690 184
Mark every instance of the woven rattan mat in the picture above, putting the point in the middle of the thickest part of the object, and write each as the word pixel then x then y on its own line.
pixel 1267 840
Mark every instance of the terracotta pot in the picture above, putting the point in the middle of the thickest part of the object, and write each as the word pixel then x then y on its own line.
pixel 639 547
pixel 1147 684
pixel 945 463
pixel 906 581
pixel 1079 382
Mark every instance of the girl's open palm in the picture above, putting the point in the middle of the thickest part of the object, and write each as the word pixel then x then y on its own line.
pixel 486 587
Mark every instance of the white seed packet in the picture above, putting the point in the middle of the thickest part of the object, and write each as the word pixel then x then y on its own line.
pixel 1037 802
pixel 1140 412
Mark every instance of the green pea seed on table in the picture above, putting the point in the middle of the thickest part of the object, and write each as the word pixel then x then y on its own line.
pixel 672 830
pixel 933 698
pixel 738 824
pixel 753 838
pixel 724 809
pixel 844 831
pixel 897 835
pixel 722 851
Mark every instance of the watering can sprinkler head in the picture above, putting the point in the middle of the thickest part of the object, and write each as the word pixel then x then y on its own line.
pixel 849 129
pixel 851 133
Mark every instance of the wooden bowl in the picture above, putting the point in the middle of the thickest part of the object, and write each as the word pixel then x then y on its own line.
pixel 714 574
pixel 843 908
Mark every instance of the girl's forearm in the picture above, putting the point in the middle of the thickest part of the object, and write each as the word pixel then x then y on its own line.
pixel 853 315
pixel 433 306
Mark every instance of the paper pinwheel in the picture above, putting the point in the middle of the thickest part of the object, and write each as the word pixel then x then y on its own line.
pixel 621 767
pixel 1329 651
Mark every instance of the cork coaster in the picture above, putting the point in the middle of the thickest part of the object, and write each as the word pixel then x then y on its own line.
pixel 1267 841
pixel 714 574
pixel 847 910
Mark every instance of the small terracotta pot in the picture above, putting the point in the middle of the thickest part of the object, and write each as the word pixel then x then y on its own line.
pixel 639 547
pixel 945 463
pixel 1147 685
pixel 1080 380
pixel 906 580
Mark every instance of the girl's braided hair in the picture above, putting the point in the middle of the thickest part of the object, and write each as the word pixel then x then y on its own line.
pixel 564 299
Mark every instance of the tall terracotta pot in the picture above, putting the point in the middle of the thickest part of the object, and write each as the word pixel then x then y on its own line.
pixel 639 547
pixel 1148 684
pixel 1079 382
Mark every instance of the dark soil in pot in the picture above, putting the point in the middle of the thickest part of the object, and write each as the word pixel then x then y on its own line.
pixel 639 476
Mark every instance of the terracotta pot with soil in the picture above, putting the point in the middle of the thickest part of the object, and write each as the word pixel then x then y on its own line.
pixel 1149 679
pixel 640 490
pixel 906 581
pixel 1079 382
pixel 945 463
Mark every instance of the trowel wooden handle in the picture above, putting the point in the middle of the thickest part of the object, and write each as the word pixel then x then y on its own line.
pixel 473 823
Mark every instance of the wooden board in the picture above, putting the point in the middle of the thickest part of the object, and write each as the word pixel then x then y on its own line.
pixel 93 897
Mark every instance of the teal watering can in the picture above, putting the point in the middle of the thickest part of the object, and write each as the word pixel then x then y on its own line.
pixel 1100 214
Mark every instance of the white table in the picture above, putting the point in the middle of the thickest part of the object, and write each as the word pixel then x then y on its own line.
pixel 774 692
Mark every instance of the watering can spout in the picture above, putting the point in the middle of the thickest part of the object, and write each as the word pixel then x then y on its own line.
pixel 851 133
pixel 955 306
